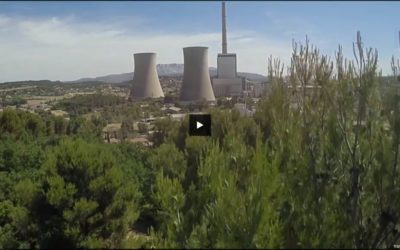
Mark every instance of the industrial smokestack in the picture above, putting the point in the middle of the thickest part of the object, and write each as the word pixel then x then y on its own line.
pixel 145 81
pixel 224 40
pixel 196 84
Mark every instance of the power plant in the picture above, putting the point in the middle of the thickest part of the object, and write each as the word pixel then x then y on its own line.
pixel 227 83
pixel 196 84
pixel 145 80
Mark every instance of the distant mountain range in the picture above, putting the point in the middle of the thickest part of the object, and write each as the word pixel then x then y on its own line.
pixel 163 70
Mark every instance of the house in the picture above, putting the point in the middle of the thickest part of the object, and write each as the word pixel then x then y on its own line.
pixel 112 131
pixel 177 117
pixel 141 140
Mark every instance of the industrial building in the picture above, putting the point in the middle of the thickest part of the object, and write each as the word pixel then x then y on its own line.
pixel 145 80
pixel 256 89
pixel 227 82
pixel 196 85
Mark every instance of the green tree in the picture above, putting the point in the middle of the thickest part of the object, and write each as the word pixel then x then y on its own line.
pixel 11 123
pixel 162 131
pixel 127 128
pixel 60 125
pixel 89 200
pixel 142 128
pixel 168 158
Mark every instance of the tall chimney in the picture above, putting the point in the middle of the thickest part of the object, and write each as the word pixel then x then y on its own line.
pixel 224 43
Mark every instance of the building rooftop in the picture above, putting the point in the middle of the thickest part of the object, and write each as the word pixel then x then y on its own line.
pixel 112 127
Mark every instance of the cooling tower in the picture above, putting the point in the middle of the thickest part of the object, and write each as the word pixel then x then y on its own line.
pixel 196 84
pixel 145 80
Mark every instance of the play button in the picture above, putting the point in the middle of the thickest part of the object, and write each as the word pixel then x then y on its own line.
pixel 199 125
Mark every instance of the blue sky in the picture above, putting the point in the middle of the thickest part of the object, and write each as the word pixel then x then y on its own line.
pixel 70 40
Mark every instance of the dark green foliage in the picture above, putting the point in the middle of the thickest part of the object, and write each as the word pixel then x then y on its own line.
pixel 87 103
pixel 60 125
pixel 88 194
pixel 20 125
pixel 16 101
pixel 170 160
pixel 163 131
pixel 126 128
pixel 89 129
pixel 64 193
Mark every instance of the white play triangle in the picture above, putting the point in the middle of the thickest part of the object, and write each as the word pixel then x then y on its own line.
pixel 199 125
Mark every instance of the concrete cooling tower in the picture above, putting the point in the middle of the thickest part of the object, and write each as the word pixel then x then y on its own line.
pixel 196 84
pixel 145 80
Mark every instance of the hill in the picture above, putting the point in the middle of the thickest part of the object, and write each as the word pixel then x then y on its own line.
pixel 163 70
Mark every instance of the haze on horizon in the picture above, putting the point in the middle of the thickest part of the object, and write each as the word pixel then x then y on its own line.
pixel 71 40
